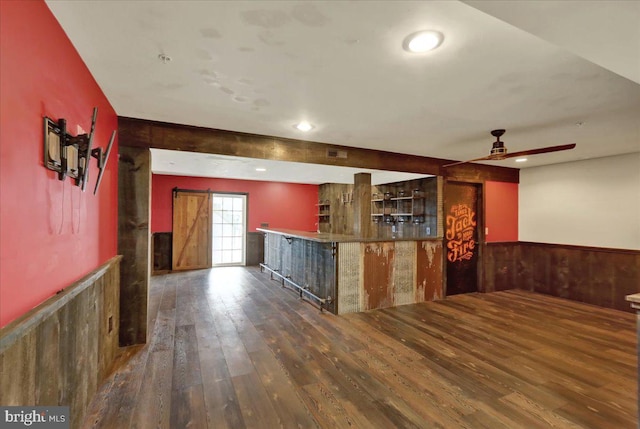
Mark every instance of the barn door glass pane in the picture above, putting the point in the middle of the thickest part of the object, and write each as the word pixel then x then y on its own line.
pixel 229 229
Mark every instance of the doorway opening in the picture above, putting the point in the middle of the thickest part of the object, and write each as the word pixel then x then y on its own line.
pixel 229 229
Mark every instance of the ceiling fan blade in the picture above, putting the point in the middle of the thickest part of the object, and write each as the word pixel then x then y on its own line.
pixel 517 154
pixel 540 150
pixel 484 158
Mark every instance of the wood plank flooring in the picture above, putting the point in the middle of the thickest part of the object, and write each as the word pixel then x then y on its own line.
pixel 230 348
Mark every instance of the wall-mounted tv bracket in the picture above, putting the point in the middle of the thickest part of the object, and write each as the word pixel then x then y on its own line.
pixel 71 155
pixel 102 159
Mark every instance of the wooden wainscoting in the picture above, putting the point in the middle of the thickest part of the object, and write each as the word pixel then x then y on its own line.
pixel 593 275
pixel 162 247
pixel 340 219
pixel 162 250
pixel 60 352
pixel 255 248
pixel 500 266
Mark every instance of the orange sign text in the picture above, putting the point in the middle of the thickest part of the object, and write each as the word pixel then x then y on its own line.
pixel 461 225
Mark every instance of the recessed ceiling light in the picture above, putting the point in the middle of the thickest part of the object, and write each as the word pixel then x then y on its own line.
pixel 521 160
pixel 422 41
pixel 261 169
pixel 303 126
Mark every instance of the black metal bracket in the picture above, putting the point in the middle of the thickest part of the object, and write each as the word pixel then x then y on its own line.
pixel 80 157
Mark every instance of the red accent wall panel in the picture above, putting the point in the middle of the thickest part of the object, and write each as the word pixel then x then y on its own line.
pixel 501 205
pixel 281 205
pixel 51 234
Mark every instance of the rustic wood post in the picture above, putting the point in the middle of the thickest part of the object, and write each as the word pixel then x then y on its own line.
pixel 362 205
pixel 134 186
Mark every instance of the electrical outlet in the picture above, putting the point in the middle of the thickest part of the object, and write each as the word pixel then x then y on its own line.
pixel 428 230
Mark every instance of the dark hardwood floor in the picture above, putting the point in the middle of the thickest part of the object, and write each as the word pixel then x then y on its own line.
pixel 230 348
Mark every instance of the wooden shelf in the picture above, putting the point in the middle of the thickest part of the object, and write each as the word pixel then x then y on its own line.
pixel 324 213
pixel 390 208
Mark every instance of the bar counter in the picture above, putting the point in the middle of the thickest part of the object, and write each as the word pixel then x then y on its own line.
pixel 346 274
pixel 325 237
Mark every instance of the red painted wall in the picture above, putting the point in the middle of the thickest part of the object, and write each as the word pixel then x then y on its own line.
pixel 51 234
pixel 281 205
pixel 501 205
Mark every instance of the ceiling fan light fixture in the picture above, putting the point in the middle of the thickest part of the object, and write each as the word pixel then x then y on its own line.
pixel 498 150
pixel 422 41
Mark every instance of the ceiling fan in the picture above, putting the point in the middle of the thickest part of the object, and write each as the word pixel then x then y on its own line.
pixel 499 151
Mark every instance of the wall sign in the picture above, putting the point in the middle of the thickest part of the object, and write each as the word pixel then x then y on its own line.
pixel 461 223
pixel 460 233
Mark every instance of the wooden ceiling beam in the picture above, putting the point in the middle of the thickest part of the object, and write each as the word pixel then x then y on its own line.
pixel 162 135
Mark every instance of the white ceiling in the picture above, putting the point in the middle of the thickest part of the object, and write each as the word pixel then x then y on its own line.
pixel 234 167
pixel 534 68
pixel 606 33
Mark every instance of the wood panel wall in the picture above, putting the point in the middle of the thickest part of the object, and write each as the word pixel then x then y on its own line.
pixel 161 250
pixel 60 352
pixel 429 186
pixel 597 276
pixel 361 205
pixel 255 248
pixel 308 264
pixel 342 218
pixel 500 266
pixel 341 213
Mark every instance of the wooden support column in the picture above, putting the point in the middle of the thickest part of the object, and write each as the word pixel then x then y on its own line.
pixel 362 205
pixel 134 186
pixel 635 304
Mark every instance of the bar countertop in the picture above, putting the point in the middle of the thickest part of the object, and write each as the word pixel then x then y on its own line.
pixel 325 237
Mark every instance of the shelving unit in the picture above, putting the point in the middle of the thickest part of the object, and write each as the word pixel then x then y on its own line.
pixel 324 212
pixel 380 210
pixel 398 209
pixel 409 209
